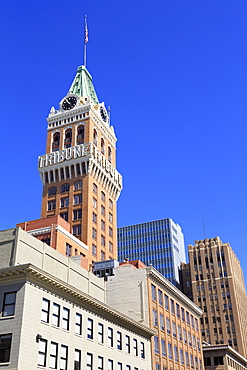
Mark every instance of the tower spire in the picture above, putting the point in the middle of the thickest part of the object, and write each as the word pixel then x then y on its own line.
pixel 85 41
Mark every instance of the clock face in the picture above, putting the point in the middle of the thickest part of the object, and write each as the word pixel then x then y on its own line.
pixel 103 114
pixel 69 103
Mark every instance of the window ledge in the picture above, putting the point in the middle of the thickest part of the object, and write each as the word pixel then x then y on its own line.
pixel 7 317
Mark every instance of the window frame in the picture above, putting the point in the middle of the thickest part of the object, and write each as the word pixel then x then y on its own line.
pixel 11 304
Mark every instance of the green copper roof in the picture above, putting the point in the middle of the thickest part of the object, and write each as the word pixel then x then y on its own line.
pixel 83 85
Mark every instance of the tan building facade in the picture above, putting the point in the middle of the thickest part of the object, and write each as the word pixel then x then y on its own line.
pixel 78 171
pixel 222 357
pixel 217 286
pixel 144 294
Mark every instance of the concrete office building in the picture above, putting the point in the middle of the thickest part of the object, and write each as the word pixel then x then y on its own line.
pixel 53 314
pixel 157 243
pixel 144 294
pixel 217 286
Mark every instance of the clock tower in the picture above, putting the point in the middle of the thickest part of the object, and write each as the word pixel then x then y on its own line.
pixel 78 171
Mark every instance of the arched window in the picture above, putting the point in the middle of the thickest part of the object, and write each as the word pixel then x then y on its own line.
pixel 102 146
pixel 64 188
pixel 80 135
pixel 56 141
pixel 109 154
pixel 95 137
pixel 68 138
pixel 52 191
pixel 78 185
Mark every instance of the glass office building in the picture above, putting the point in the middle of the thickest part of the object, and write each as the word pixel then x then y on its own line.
pixel 157 243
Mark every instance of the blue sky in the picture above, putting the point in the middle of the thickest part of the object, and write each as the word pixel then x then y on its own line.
pixel 174 73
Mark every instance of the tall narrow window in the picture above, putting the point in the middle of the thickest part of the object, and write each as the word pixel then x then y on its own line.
pixel 119 340
pixel 89 361
pixel 102 146
pixel 127 338
pixel 63 357
pixel 135 347
pixel 156 345
pixel 77 199
pixel 110 337
pixel 153 289
pixel 142 350
pixel 41 354
pixel 68 138
pixel 89 328
pixel 100 363
pixel 9 304
pixel 109 154
pixel 163 348
pixel 45 310
pixel 110 365
pixel 53 355
pixel 68 250
pixel 100 333
pixel 65 319
pixel 5 346
pixel 56 314
pixel 77 360
pixel 78 323
pixel 80 135
pixel 95 137
pixel 56 141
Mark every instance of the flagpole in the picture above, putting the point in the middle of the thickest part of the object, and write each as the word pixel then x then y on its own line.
pixel 85 40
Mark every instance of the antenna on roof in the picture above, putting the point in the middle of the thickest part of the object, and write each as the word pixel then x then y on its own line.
pixel 85 40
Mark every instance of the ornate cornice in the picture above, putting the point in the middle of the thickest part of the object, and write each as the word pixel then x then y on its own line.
pixel 34 273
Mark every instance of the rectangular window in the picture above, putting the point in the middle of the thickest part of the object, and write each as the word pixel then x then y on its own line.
pixel 100 333
pixel 135 348
pixel 176 353
pixel 76 230
pixel 78 323
pixel 94 203
pixel 196 324
pixel 51 205
pixel 100 363
pixel 155 318
pixel 65 319
pixel 102 225
pixel 110 218
pixel 102 196
pixel 181 357
pixel 128 367
pixel 102 255
pixel 168 326
pixel 174 330
pixel 77 214
pixel 185 336
pixel 9 304
pixel 119 340
pixel 127 338
pixel 64 202
pixel 68 250
pixel 156 345
pixel 163 348
pixel 94 218
pixel 178 310
pixel 89 328
pixel 78 185
pixel 110 231
pixel 187 318
pixel 94 249
pixel 41 354
pixel 162 324
pixel 110 337
pixel 187 359
pixel 102 240
pixel 110 247
pixel 89 361
pixel 192 321
pixel 153 289
pixel 77 199
pixel 55 314
pixel 45 311
pixel 160 295
pixel 110 365
pixel 5 346
pixel 95 188
pixel 77 360
pixel 110 204
pixel 182 313
pixel 166 302
pixel 169 351
pixel 172 306
pixel 179 333
pixel 142 350
pixel 53 355
pixel 103 210
pixel 94 233
pixel 119 366
pixel 63 357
